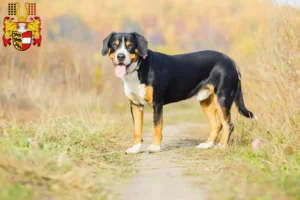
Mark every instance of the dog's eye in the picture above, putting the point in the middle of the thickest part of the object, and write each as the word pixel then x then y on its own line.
pixel 131 46
pixel 114 45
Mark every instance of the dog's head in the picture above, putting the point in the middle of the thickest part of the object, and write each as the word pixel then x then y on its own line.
pixel 124 49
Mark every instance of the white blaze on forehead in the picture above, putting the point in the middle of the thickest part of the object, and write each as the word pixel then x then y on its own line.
pixel 122 49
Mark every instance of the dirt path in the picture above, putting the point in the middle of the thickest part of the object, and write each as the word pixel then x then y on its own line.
pixel 160 176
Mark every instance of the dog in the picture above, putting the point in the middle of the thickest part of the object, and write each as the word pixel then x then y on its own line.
pixel 158 79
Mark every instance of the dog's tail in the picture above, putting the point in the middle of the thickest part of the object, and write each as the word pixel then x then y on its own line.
pixel 239 102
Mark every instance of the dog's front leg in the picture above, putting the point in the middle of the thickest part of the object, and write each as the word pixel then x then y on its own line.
pixel 157 128
pixel 137 112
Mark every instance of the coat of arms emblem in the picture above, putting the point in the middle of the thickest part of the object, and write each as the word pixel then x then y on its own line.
pixel 22 33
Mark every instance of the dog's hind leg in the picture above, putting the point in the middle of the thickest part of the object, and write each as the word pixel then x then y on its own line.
pixel 223 105
pixel 137 112
pixel 210 110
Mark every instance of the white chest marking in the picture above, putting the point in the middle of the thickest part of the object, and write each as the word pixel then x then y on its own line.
pixel 134 90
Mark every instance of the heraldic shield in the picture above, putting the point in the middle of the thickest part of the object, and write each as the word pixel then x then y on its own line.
pixel 22 41
pixel 22 30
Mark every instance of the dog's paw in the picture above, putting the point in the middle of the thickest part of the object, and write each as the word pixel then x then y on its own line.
pixel 205 145
pixel 135 149
pixel 153 148
pixel 220 146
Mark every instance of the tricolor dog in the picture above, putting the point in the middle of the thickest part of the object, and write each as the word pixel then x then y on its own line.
pixel 156 79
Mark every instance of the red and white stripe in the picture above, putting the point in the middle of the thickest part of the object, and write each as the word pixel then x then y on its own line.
pixel 26 40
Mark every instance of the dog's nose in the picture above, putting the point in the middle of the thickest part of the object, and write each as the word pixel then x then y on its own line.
pixel 121 56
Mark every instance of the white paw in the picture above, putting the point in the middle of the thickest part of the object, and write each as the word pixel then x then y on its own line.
pixel 220 146
pixel 255 117
pixel 205 145
pixel 153 148
pixel 135 149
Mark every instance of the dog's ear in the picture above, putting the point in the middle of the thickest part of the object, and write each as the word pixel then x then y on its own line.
pixel 105 43
pixel 142 44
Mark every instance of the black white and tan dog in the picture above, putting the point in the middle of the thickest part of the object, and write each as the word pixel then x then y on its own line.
pixel 158 79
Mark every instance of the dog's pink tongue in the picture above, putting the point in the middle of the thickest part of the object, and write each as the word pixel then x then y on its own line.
pixel 120 70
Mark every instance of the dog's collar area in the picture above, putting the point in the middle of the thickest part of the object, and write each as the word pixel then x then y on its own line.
pixel 128 70
pixel 136 68
pixel 131 71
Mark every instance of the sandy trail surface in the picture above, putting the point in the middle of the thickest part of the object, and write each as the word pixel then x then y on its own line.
pixel 160 175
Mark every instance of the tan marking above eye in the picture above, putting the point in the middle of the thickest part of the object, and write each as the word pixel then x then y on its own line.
pixel 134 56
pixel 117 42
pixel 127 44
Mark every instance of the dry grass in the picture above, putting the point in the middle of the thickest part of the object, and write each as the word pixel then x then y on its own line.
pixel 58 138
pixel 223 174
pixel 66 157
pixel 277 91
